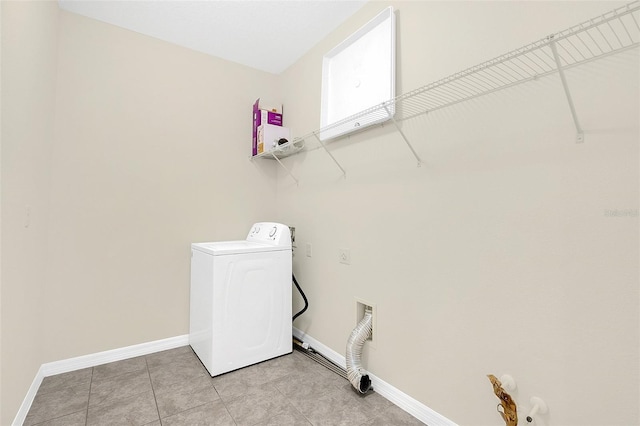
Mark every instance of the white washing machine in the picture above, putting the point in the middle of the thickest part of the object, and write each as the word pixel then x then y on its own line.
pixel 241 299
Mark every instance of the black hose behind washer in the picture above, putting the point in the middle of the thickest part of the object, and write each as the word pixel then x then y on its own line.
pixel 306 302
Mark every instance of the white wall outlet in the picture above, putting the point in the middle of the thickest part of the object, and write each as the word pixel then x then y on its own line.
pixel 308 250
pixel 344 256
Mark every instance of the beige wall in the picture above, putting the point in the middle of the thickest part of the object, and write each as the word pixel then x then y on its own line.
pixel 29 50
pixel 152 153
pixel 0 212
pixel 148 151
pixel 497 255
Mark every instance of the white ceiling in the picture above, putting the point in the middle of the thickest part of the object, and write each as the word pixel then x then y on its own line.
pixel 268 35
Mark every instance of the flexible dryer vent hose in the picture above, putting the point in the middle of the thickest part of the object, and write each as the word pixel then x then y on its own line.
pixel 355 372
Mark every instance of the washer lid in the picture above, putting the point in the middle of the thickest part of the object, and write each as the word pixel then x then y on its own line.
pixel 235 247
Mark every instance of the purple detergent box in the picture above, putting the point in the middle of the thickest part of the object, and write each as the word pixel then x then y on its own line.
pixel 264 113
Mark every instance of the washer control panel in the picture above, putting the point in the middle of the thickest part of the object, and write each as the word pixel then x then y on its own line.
pixel 271 233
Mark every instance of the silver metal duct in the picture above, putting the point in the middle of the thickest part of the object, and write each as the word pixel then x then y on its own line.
pixel 355 373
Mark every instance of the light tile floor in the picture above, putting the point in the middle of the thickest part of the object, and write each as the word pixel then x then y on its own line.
pixel 173 388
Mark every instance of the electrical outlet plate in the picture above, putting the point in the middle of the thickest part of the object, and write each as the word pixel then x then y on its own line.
pixel 309 249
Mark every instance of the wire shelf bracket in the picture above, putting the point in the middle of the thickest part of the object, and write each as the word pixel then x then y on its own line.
pixel 316 134
pixel 397 126
pixel 567 92
pixel 282 151
pixel 275 157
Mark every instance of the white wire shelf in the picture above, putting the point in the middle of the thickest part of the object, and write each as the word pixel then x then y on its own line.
pixel 284 150
pixel 604 35
pixel 607 34
pixel 610 33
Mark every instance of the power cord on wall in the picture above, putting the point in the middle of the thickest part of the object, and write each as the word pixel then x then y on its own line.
pixel 306 302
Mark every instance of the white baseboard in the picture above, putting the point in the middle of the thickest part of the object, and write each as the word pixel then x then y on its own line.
pixel 28 399
pixel 77 363
pixel 399 398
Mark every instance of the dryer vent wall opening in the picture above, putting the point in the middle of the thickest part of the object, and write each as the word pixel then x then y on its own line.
pixel 355 373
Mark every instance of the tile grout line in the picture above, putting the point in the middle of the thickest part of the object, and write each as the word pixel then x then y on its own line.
pixel 220 398
pixel 86 419
pixel 183 411
pixel 293 405
pixel 222 401
pixel 146 363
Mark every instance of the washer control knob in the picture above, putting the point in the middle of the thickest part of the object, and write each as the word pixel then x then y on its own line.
pixel 273 231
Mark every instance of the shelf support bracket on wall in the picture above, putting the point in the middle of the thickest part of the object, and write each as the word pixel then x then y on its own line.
pixel 395 123
pixel 284 167
pixel 556 57
pixel 344 173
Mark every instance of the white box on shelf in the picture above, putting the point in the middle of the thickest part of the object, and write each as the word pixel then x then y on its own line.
pixel 269 135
